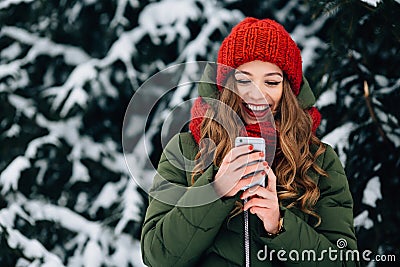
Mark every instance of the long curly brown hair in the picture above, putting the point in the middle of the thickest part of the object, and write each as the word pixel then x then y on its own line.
pixel 293 157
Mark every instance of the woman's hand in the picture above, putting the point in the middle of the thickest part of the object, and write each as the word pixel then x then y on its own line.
pixel 263 201
pixel 228 180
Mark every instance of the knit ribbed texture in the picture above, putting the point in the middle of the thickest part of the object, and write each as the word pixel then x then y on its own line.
pixel 198 111
pixel 265 40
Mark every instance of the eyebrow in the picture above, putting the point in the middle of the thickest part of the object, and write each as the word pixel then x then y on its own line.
pixel 265 75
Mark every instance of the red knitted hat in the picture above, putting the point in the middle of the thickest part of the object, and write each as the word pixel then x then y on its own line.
pixel 265 40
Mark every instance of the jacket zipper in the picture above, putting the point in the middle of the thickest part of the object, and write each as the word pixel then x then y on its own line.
pixel 246 237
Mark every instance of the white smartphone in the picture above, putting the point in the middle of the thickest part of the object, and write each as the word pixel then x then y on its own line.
pixel 259 145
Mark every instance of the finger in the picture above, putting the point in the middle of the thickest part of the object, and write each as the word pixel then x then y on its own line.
pixel 253 180
pixel 233 187
pixel 271 180
pixel 262 213
pixel 253 156
pixel 247 159
pixel 260 192
pixel 258 211
pixel 253 191
pixel 236 152
pixel 255 169
pixel 257 202
pixel 243 183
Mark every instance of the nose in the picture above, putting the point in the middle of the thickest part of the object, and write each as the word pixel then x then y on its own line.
pixel 254 91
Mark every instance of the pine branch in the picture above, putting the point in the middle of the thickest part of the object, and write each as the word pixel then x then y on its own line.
pixel 373 116
pixel 10 176
pixel 7 3
pixel 44 46
pixel 31 250
pixel 119 18
pixel 215 21
pixel 131 209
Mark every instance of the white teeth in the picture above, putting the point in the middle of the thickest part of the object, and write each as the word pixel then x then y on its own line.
pixel 257 108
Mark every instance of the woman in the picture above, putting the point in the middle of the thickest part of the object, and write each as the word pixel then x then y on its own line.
pixel 304 214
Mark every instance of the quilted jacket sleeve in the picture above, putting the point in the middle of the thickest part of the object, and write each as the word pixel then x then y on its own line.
pixel 335 207
pixel 181 222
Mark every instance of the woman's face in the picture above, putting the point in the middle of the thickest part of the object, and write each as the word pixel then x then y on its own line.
pixel 260 85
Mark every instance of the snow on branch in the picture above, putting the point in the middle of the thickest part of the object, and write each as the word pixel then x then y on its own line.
pixel 306 37
pixel 10 69
pixel 123 49
pixel 68 130
pixel 215 21
pixel 159 23
pixel 66 218
pixel 363 220
pixel 72 92
pixel 9 214
pixel 131 210
pixel 83 146
pixel 44 46
pixel 373 3
pixel 91 240
pixel 127 251
pixel 22 105
pixel 119 13
pixel 10 176
pixel 36 143
pixel 339 138
pixel 7 3
pixel 108 195
pixel 32 249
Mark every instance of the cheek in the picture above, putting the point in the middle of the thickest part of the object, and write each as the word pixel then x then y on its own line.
pixel 277 95
pixel 240 92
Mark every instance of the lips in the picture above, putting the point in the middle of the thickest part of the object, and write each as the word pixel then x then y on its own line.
pixel 256 111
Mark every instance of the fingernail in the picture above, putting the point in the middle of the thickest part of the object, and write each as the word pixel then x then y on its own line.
pixel 251 147
pixel 263 173
pixel 265 163
pixel 261 154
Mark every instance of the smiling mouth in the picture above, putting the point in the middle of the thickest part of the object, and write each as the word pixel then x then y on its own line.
pixel 257 110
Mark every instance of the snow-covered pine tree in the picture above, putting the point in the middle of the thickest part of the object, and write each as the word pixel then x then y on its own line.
pixel 359 85
pixel 67 72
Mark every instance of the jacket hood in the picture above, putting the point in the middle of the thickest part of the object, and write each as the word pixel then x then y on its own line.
pixel 207 87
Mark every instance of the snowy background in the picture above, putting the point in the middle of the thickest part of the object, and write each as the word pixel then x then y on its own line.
pixel 68 69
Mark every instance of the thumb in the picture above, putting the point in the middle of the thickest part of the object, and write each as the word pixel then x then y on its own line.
pixel 271 180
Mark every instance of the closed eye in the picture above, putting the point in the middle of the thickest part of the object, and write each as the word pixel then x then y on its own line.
pixel 243 82
pixel 272 83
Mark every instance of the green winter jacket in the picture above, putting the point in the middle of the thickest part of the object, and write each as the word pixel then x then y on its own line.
pixel 175 234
